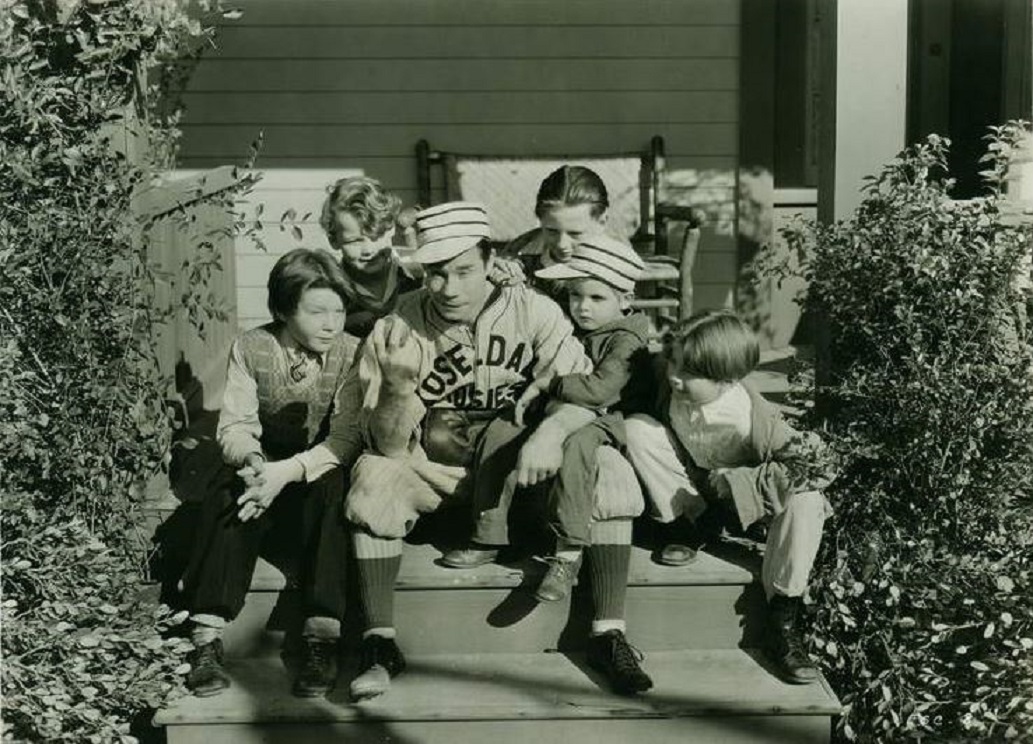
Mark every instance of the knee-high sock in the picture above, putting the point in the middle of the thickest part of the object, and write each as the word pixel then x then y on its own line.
pixel 609 557
pixel 377 562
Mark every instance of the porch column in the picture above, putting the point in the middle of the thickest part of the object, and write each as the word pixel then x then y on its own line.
pixel 864 45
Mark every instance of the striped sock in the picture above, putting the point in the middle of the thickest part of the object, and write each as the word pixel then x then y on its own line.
pixel 368 546
pixel 605 626
pixel 608 569
pixel 377 578
pixel 611 532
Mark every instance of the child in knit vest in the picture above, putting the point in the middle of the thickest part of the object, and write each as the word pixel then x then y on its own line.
pixel 283 382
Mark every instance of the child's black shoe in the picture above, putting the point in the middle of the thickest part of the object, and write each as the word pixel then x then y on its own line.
pixel 207 676
pixel 318 668
pixel 784 642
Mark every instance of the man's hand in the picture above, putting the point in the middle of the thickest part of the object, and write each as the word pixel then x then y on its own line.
pixel 260 494
pixel 540 458
pixel 398 354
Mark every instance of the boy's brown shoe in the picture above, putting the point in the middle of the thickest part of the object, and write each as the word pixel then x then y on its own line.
pixel 469 557
pixel 207 676
pixel 558 579
pixel 676 554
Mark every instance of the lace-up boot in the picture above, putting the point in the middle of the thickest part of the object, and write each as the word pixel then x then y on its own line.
pixel 318 668
pixel 207 676
pixel 784 643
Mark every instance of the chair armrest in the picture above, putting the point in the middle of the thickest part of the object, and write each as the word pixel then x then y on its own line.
pixel 693 216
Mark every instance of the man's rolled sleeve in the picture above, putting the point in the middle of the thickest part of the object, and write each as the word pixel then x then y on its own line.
pixel 557 350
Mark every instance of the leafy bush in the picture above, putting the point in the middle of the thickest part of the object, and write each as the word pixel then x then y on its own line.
pixel 924 588
pixel 84 424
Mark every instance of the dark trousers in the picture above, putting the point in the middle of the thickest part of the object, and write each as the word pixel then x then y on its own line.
pixel 226 550
pixel 572 495
pixel 494 479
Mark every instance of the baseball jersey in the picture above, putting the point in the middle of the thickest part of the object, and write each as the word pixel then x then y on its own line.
pixel 519 335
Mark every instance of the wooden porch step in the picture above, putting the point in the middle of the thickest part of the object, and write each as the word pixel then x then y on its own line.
pixel 710 695
pixel 713 603
pixel 421 570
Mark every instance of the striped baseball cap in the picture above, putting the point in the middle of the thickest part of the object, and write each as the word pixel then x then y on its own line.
pixel 446 230
pixel 599 257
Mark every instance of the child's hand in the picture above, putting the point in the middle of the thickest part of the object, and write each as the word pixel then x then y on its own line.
pixel 258 497
pixel 530 394
pixel 399 355
pixel 251 473
pixel 507 272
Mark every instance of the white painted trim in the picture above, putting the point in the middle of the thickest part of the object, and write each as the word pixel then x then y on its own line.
pixel 796 197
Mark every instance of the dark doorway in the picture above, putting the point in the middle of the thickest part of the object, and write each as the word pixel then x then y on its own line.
pixel 969 69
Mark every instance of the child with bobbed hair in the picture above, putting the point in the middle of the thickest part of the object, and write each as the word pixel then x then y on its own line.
pixel 712 444
pixel 361 220
pixel 280 456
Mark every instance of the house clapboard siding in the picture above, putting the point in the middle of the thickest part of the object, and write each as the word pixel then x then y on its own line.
pixel 338 87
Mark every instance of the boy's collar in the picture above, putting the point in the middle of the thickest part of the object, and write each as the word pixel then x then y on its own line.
pixel 296 351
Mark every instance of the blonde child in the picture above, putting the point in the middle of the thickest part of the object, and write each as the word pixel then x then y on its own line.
pixel 711 442
pixel 360 220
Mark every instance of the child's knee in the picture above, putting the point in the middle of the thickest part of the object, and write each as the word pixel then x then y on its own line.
pixel 804 511
pixel 642 431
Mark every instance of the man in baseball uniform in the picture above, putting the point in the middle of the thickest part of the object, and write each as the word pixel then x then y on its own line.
pixel 438 376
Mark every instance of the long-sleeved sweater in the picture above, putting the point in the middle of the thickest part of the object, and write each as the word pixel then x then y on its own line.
pixel 617 350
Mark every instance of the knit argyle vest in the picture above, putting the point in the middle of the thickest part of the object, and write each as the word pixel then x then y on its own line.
pixel 294 414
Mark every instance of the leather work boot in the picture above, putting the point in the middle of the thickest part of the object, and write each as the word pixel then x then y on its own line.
pixel 784 641
pixel 318 668
pixel 207 676
pixel 610 653
pixel 380 659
